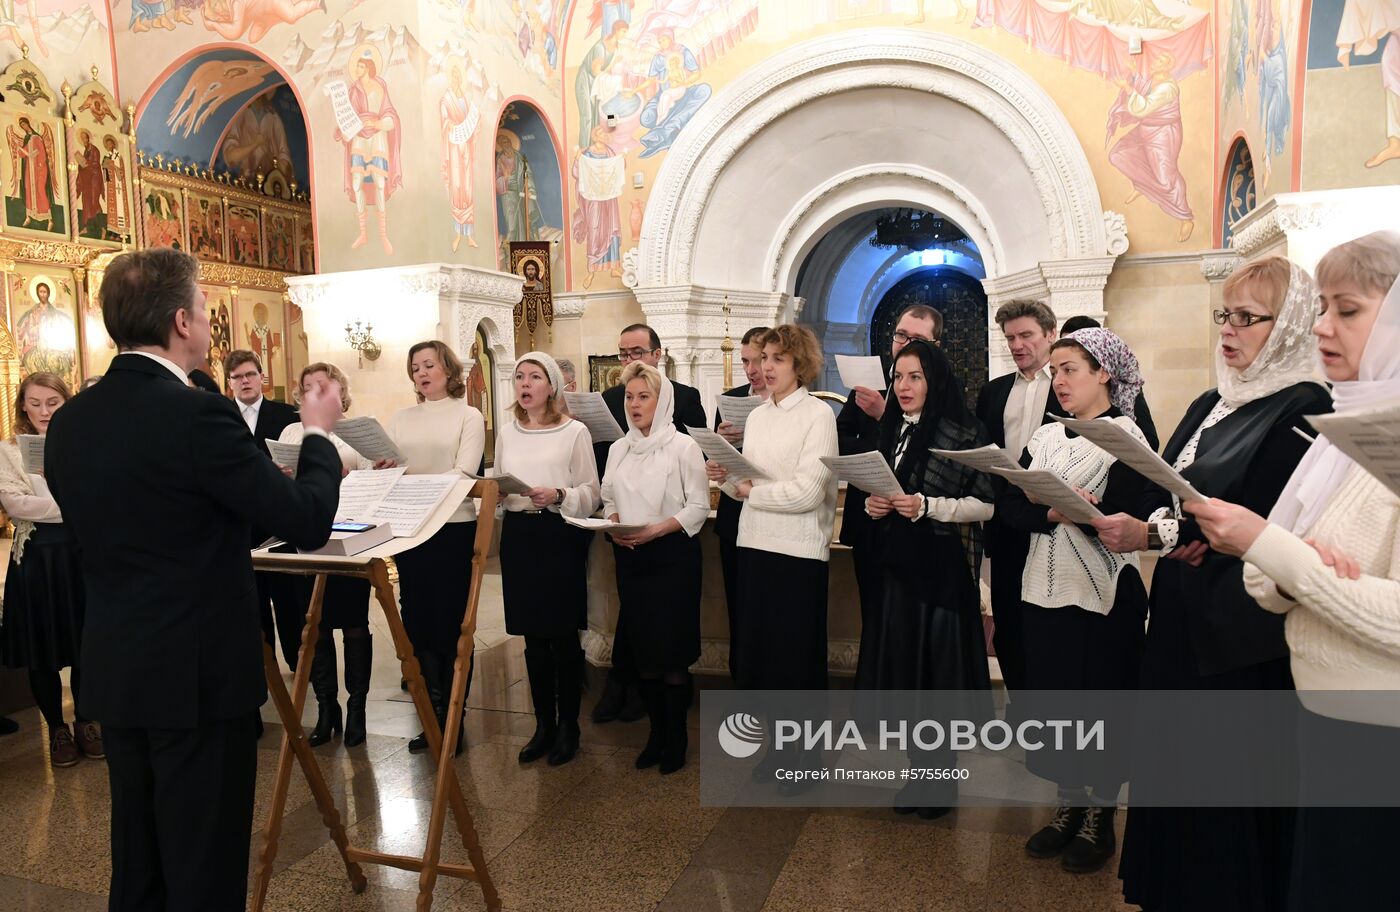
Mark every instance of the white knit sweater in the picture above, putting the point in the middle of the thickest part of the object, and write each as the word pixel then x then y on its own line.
pixel 1344 634
pixel 792 512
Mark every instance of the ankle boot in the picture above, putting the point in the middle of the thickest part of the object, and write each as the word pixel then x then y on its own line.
pixel 654 696
pixel 1052 838
pixel 565 744
pixel 359 656
pixel 323 683
pixel 677 702
pixel 539 666
pixel 432 680
pixel 1093 845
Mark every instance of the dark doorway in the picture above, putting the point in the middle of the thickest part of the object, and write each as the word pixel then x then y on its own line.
pixel 963 303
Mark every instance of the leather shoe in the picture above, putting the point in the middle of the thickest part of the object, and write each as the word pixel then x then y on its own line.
pixel 539 744
pixel 565 744
pixel 89 738
pixel 62 751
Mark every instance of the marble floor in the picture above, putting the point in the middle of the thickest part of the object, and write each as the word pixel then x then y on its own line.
pixel 592 835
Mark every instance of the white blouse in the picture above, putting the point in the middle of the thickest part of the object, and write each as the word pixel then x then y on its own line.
pixel 441 436
pixel 650 488
pixel 349 458
pixel 554 457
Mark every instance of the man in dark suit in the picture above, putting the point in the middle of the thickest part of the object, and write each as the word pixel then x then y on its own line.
pixel 160 485
pixel 638 342
pixel 266 419
pixel 727 513
pixel 858 431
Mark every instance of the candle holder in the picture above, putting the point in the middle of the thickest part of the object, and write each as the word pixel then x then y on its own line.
pixel 360 335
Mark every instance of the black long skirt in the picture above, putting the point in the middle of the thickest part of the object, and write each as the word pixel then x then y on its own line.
pixel 345 605
pixel 435 581
pixel 658 588
pixel 1070 648
pixel 1203 859
pixel 44 604
pixel 544 574
pixel 782 621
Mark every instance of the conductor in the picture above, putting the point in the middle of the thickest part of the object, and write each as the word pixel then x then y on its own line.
pixel 161 485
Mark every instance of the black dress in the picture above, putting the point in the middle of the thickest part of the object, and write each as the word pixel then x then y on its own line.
pixel 435 581
pixel 544 574
pixel 658 588
pixel 43 614
pixel 1206 633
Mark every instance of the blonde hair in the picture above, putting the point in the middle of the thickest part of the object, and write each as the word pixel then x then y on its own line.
pixel 554 410
pixel 45 379
pixel 802 345
pixel 1266 279
pixel 330 370
pixel 651 375
pixel 1371 262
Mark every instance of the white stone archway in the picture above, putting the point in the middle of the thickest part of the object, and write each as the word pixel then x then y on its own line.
pixel 856 121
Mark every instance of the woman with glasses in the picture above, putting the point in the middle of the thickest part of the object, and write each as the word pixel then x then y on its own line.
pixel 1237 442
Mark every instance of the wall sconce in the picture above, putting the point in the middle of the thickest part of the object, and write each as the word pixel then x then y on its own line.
pixel 361 339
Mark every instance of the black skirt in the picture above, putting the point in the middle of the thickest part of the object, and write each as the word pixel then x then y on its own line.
pixel 782 621
pixel 435 582
pixel 346 605
pixel 544 574
pixel 1206 859
pixel 44 605
pixel 658 588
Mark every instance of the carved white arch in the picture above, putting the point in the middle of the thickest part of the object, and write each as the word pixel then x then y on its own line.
pixel 871 58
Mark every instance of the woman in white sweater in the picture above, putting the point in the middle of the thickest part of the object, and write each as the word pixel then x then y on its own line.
pixel 1328 557
pixel 655 478
pixel 785 526
pixel 41 622
pixel 441 434
pixel 345 606
pixel 544 579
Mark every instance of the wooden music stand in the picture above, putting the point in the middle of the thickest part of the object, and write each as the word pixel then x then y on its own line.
pixel 448 791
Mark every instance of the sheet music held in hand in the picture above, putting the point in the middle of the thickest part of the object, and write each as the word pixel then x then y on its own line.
pixel 595 415
pixel 603 525
pixel 367 437
pixel 867 471
pixel 983 459
pixel 31 452
pixel 718 450
pixel 1051 490
pixel 507 483
pixel 1370 437
pixel 736 409
pixel 861 370
pixel 1118 442
pixel 405 502
pixel 284 454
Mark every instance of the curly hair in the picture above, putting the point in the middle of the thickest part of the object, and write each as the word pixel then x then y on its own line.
pixel 39 378
pixel 451 365
pixel 802 345
pixel 330 370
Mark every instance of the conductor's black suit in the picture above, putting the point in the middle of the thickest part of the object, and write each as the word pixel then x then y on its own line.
pixel 161 485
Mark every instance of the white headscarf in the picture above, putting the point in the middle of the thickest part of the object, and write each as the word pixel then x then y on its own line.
pixel 551 370
pixel 1289 355
pixel 650 470
pixel 1323 469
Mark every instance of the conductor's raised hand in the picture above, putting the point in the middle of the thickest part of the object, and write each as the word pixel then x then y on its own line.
pixel 320 404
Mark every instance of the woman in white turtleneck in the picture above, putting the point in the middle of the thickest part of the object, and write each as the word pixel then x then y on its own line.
pixel 1328 557
pixel 441 434
pixel 655 478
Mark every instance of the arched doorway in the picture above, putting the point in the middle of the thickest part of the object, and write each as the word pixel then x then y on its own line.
pixel 962 302
pixel 528 187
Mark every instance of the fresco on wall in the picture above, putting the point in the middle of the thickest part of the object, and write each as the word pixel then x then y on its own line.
pixel 1353 62
pixel 65 37
pixel 268 129
pixel 529 30
pixel 528 191
pixel 1258 96
pixel 369 129
pixel 43 312
pixel 231 20
pixel 459 121
pixel 1240 191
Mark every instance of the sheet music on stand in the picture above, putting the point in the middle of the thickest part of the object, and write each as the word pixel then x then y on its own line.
pixel 718 450
pixel 593 411
pixel 405 502
pixel 31 452
pixel 1370 437
pixel 1115 440
pixel 367 437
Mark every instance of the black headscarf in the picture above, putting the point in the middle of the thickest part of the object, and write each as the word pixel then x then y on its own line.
pixel 945 423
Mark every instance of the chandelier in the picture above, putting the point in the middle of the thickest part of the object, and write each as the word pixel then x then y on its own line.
pixel 915 229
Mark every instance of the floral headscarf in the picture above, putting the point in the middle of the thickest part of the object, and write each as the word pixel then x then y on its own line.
pixel 1114 356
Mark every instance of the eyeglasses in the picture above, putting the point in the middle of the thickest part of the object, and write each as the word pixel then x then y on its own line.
pixel 1237 318
pixel 903 338
pixel 632 354
pixel 245 375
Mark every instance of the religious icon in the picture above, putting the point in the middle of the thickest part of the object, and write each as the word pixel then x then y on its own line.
pixel 531 272
pixel 479 390
pixel 46 334
pixel 264 336
pixel 220 333
pixel 206 226
pixel 32 199
pixel 244 235
pixel 281 250
pixel 163 216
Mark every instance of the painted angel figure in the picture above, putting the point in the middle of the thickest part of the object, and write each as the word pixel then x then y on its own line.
pixel 1148 152
pixel 459 118
pixel 32 154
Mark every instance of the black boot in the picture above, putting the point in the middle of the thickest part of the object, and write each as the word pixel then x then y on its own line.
pixel 539 666
pixel 1051 839
pixel 1093 845
pixel 565 744
pixel 677 703
pixel 326 687
pixel 610 703
pixel 633 704
pixel 428 664
pixel 654 696
pixel 359 657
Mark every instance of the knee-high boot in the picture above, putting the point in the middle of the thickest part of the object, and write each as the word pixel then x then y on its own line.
pixel 428 662
pixel 677 704
pixel 359 657
pixel 323 682
pixel 539 665
pixel 568 671
pixel 654 699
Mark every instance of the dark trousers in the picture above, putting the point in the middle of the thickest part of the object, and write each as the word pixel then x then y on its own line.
pixel 729 563
pixel 279 591
pixel 182 815
pixel 1007 638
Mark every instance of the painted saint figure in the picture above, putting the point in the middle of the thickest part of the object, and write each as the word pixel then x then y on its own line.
pixel 1365 24
pixel 595 63
pixel 89 189
pixel 675 78
pixel 31 154
pixel 599 177
pixel 256 139
pixel 372 160
pixel 46 336
pixel 519 211
pixel 1275 108
pixel 459 118
pixel 1148 153
pixel 264 342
